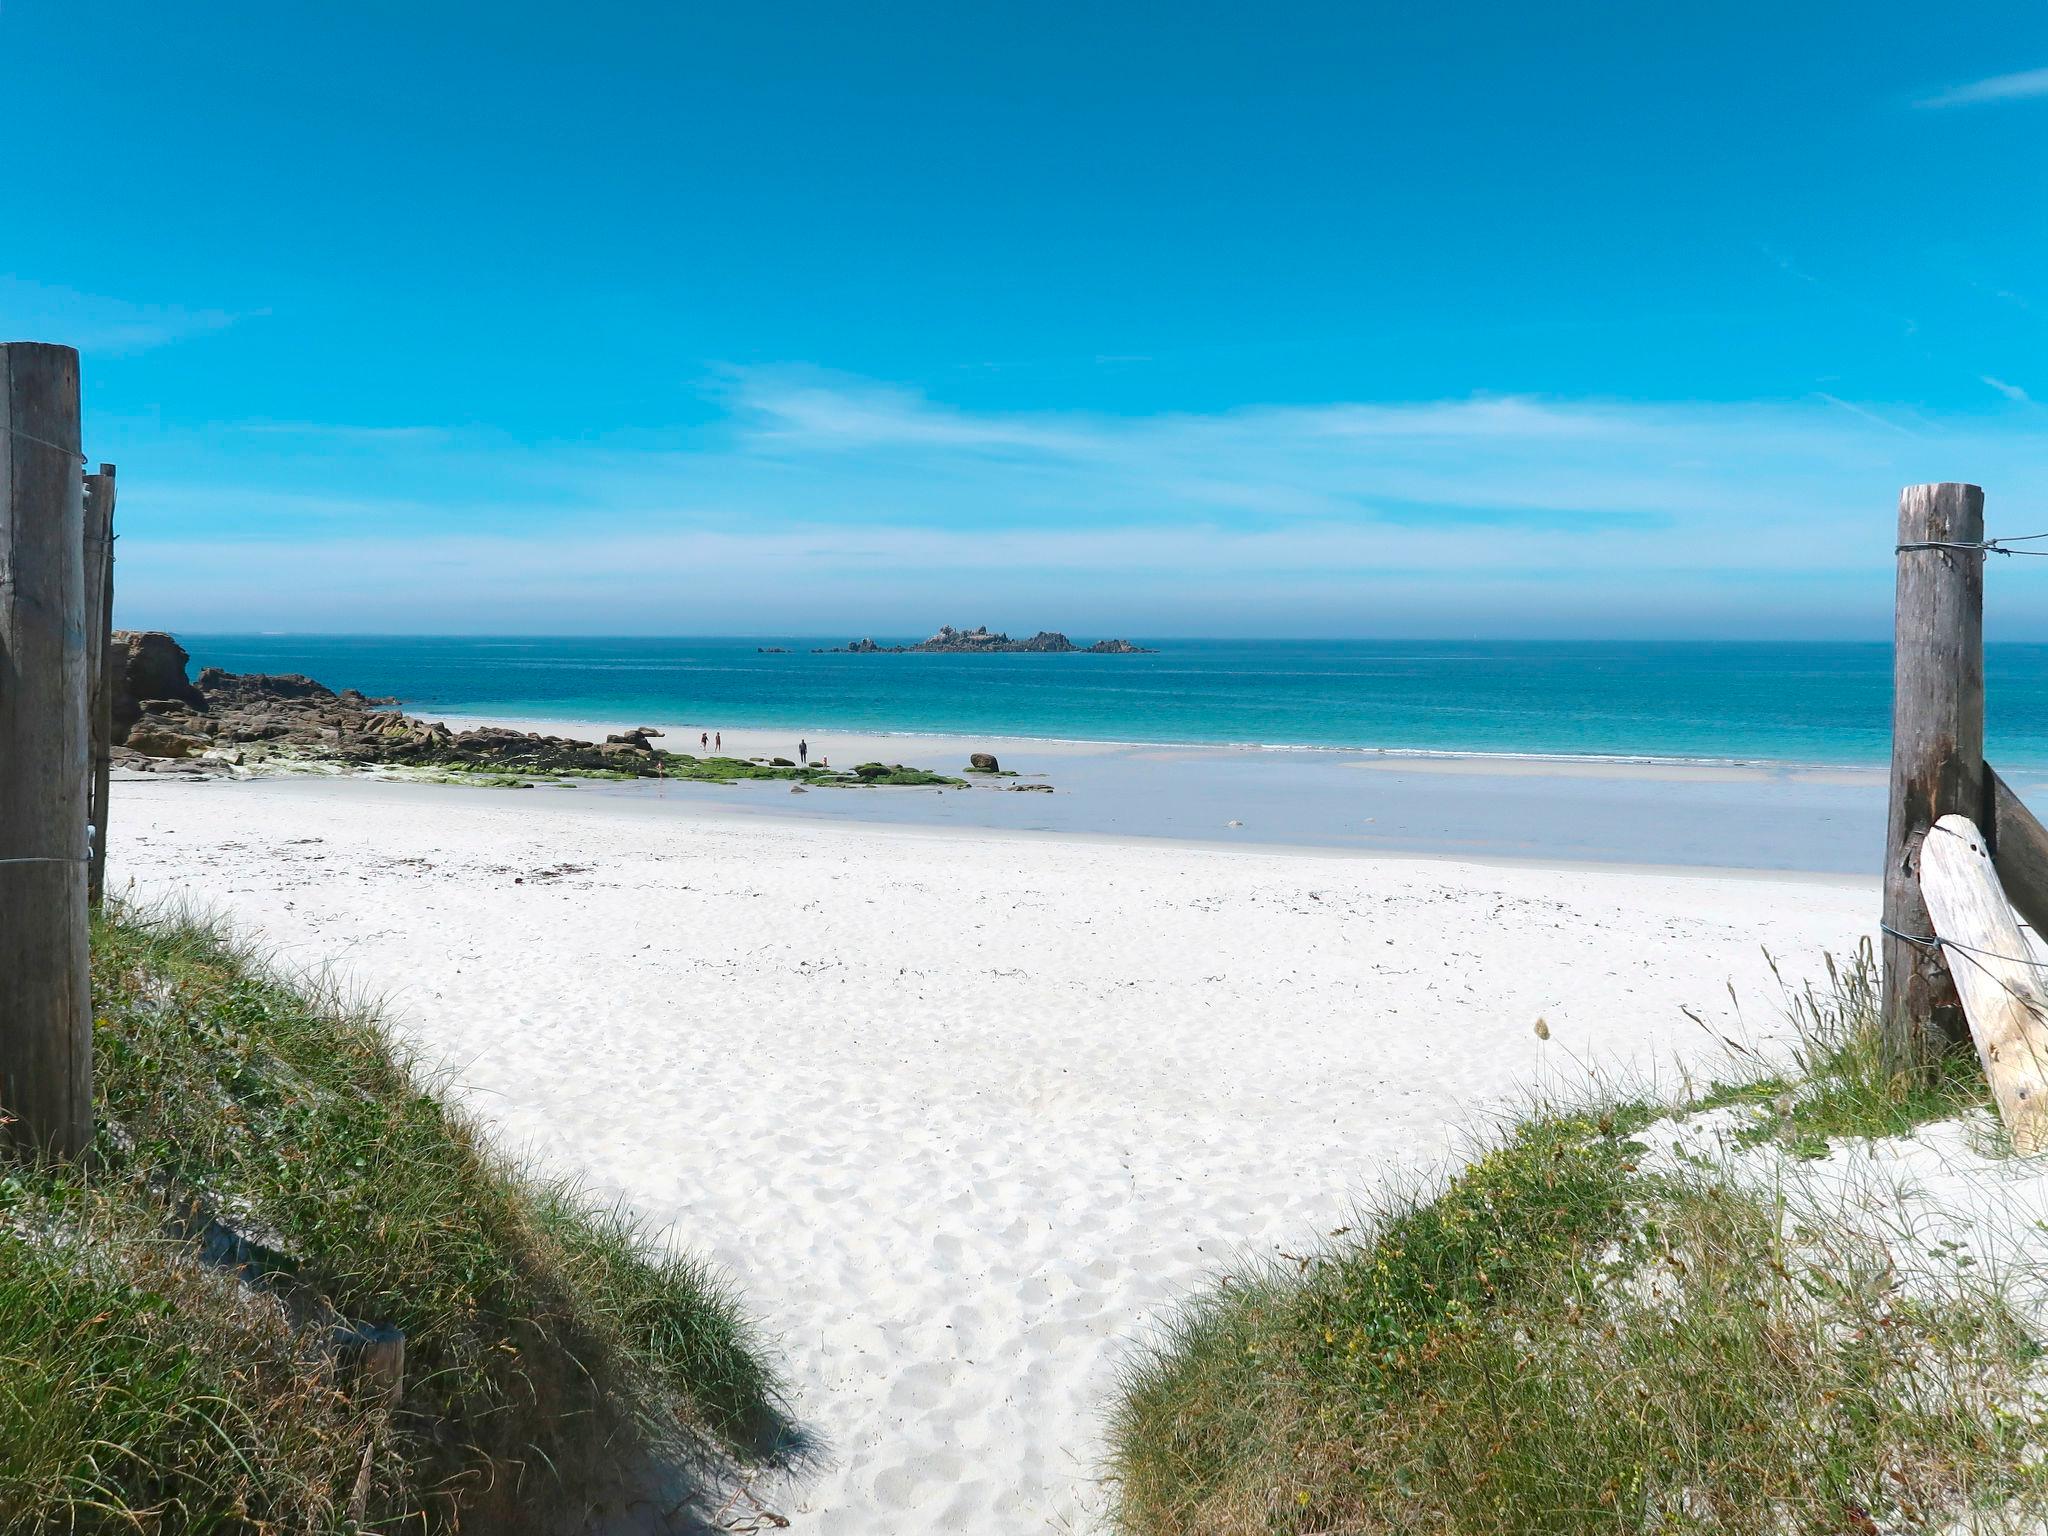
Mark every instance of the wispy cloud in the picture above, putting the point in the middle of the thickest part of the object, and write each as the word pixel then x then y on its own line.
pixel 96 323
pixel 340 432
pixel 1865 413
pixel 784 409
pixel 821 502
pixel 2015 87
pixel 2010 391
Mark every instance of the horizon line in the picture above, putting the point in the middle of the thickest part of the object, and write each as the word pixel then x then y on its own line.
pixel 544 635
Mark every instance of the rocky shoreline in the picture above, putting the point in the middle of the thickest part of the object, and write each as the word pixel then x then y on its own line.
pixel 980 641
pixel 242 723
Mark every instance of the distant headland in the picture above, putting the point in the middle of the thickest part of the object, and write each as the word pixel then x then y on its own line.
pixel 979 641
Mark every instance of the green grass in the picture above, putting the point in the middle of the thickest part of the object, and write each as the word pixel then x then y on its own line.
pixel 1841 1080
pixel 545 765
pixel 267 1166
pixel 1560 1340
pixel 138 1392
pixel 731 770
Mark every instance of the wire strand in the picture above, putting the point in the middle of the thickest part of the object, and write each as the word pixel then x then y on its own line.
pixel 1936 941
pixel 1990 546
pixel 44 442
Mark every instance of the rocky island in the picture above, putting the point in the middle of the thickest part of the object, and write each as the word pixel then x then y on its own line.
pixel 980 641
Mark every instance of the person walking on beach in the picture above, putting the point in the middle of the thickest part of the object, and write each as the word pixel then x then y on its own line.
pixel 703 741
pixel 718 741
pixel 803 754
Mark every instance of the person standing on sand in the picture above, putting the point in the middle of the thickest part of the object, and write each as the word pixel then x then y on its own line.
pixel 703 741
pixel 718 741
pixel 803 754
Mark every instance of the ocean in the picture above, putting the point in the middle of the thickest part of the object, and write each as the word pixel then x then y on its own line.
pixel 1816 703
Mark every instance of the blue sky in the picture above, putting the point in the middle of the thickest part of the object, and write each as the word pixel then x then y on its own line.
pixel 1192 319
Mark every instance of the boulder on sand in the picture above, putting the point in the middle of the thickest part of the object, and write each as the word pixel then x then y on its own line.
pixel 983 762
pixel 148 665
pixel 154 740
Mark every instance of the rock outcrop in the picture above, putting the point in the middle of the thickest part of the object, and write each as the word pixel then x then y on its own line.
pixel 241 722
pixel 161 718
pixel 981 641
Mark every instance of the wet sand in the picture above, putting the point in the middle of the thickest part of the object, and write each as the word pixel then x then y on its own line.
pixel 1649 813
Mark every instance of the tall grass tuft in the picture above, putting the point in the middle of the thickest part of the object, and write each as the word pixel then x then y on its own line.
pixel 1844 1079
pixel 269 1168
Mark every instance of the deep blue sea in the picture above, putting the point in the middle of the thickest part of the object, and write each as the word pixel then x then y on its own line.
pixel 1804 703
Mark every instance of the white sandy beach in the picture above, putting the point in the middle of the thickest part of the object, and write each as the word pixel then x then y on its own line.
pixel 962 1112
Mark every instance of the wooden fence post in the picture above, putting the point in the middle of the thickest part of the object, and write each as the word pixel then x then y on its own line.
pixel 1937 747
pixel 99 664
pixel 45 981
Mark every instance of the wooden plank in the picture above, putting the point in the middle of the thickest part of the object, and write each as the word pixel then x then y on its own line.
pixel 2019 849
pixel 99 667
pixel 45 985
pixel 1937 745
pixel 2004 994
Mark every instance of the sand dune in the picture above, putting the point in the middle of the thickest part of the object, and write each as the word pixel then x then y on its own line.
pixel 962 1113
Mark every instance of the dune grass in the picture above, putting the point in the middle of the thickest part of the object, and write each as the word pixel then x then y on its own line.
pixel 1566 1337
pixel 269 1172
pixel 139 1391
pixel 1841 1079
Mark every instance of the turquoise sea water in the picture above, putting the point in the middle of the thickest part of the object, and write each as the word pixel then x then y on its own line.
pixel 1806 703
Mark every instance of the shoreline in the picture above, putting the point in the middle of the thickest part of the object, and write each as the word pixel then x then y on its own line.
pixel 751 740
pixel 1519 808
pixel 1538 812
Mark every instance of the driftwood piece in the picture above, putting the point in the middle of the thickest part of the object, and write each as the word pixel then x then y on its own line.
pixel 373 1355
pixel 2004 992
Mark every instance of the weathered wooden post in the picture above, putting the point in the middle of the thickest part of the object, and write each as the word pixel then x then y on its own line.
pixel 1937 746
pixel 99 665
pixel 45 984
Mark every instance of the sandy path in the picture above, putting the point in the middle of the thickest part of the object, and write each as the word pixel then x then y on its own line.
pixel 961 1113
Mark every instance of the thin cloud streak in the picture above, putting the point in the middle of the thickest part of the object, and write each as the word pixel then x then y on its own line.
pixel 340 432
pixel 96 323
pixel 2021 86
pixel 1867 415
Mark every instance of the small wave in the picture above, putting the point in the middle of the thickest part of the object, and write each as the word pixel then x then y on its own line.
pixel 526 720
